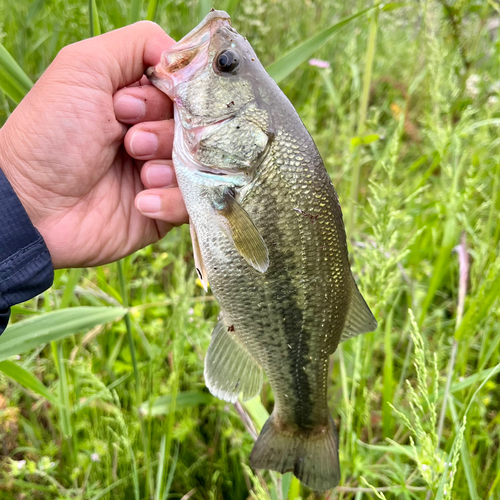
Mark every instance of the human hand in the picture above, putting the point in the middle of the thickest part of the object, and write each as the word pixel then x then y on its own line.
pixel 75 165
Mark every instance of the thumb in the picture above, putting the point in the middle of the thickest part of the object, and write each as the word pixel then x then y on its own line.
pixel 121 56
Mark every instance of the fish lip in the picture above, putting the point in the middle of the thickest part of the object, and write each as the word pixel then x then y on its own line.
pixel 176 61
pixel 209 21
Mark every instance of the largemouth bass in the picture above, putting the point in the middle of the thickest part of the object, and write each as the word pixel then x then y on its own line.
pixel 268 236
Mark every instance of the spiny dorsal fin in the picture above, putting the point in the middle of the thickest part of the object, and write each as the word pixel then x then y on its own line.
pixel 198 259
pixel 240 229
pixel 229 368
pixel 359 317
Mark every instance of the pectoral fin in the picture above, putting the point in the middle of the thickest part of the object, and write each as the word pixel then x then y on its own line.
pixel 198 260
pixel 359 317
pixel 241 231
pixel 229 368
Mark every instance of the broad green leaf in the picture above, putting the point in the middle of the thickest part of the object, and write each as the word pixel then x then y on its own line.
pixel 32 332
pixel 13 80
pixel 289 62
pixel 294 491
pixel 286 483
pixel 162 405
pixel 26 379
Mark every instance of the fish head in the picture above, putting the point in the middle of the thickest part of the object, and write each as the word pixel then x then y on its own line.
pixel 215 81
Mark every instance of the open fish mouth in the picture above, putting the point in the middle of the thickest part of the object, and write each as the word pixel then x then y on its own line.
pixel 188 56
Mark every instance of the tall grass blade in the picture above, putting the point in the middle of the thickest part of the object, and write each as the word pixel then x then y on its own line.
pixel 33 11
pixel 13 80
pixel 257 411
pixel 161 468
pixel 170 477
pixel 363 108
pixel 114 485
pixel 388 390
pixel 152 8
pixel 44 328
pixel 72 281
pixel 441 265
pixel 27 380
pixel 204 7
pixel 231 6
pixel 469 472
pixel 481 305
pixel 280 69
pixel 128 325
pixel 135 473
pixel 64 407
pixel 135 11
pixel 95 25
pixel 471 380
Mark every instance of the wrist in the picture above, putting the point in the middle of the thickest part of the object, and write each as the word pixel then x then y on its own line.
pixel 11 165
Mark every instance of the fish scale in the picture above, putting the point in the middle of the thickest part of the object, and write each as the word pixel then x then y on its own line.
pixel 268 236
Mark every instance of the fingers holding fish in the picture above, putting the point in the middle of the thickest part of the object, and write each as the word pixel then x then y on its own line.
pixel 150 140
pixel 142 103
pixel 166 205
pixel 158 174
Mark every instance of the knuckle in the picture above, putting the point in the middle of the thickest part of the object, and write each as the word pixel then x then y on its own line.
pixel 148 26
pixel 70 53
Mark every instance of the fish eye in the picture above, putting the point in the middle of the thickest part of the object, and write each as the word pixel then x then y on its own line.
pixel 227 61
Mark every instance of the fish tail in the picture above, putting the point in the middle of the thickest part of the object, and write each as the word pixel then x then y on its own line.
pixel 313 457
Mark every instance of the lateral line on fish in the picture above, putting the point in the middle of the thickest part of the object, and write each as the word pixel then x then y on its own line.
pixel 298 351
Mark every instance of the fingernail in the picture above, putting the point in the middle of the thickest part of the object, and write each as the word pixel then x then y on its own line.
pixel 159 176
pixel 149 203
pixel 129 108
pixel 143 143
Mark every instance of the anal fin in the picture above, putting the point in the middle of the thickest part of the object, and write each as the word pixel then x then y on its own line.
pixel 229 368
pixel 359 317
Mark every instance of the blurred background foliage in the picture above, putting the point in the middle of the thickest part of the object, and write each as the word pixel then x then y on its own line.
pixel 406 117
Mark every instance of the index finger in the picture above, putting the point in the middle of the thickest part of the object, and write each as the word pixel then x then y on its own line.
pixel 123 55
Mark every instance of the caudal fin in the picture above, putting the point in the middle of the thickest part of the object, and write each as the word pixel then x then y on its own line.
pixel 313 457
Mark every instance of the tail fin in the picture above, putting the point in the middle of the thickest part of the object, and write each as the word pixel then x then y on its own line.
pixel 312 457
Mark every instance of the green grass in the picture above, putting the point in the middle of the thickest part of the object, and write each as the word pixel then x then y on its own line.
pixel 117 408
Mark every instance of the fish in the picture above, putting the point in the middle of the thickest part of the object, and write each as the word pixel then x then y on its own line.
pixel 268 236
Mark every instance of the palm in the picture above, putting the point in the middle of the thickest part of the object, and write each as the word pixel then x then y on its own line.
pixel 103 222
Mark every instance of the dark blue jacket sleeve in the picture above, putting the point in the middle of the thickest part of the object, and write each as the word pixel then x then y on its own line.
pixel 25 264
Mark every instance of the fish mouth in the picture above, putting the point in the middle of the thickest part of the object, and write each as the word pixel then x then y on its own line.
pixel 189 55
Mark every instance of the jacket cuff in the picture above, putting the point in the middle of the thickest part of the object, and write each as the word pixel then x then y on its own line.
pixel 25 264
